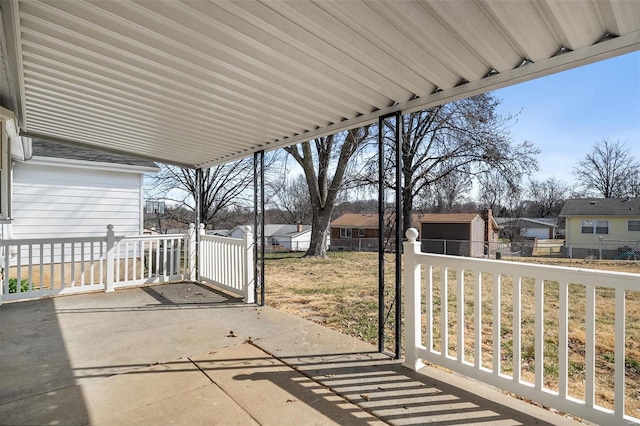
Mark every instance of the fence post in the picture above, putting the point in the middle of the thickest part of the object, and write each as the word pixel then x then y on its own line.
pixel 600 247
pixel 412 305
pixel 249 271
pixel 111 244
pixel 193 248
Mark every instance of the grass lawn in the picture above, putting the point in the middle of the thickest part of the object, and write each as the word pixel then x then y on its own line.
pixel 342 294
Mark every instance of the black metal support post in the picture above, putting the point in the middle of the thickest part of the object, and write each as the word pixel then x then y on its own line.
pixel 258 226
pixel 381 202
pixel 199 202
pixel 399 226
pixel 382 234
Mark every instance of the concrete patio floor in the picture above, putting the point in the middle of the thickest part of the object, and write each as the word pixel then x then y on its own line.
pixel 189 354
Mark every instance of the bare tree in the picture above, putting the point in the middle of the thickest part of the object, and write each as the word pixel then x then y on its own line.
pixel 609 170
pixel 546 197
pixel 325 163
pixel 224 191
pixel 465 136
pixel 291 199
pixel 503 197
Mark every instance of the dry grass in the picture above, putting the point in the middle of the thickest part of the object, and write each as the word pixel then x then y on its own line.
pixel 342 294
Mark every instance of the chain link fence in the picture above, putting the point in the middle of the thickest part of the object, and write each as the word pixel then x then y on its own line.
pixel 603 249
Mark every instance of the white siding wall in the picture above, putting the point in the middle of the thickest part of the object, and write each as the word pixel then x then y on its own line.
pixel 52 201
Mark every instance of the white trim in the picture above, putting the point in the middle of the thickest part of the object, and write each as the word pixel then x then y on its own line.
pixel 11 30
pixel 94 165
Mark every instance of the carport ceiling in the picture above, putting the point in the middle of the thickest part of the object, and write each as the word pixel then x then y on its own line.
pixel 199 83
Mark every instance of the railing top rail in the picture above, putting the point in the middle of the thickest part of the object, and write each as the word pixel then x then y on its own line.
pixel 26 241
pixel 229 240
pixel 152 237
pixel 611 279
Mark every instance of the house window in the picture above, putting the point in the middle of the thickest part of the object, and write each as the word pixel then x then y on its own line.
pixel 360 232
pixel 633 225
pixel 345 232
pixel 595 226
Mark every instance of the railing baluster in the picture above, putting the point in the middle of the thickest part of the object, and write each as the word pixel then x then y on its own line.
pixel 126 261
pixel 18 269
pixel 444 311
pixel 517 326
pixel 477 312
pixel 82 265
pixel 41 267
pixel 539 332
pixel 73 264
pixel 52 264
pixel 590 346
pixel 7 264
pixel 30 268
pixel 563 339
pixel 429 304
pixel 62 280
pixel 620 353
pixel 497 335
pixel 460 326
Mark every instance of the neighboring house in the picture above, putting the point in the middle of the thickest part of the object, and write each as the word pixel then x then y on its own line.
pixel 64 191
pixel 543 228
pixel 353 231
pixel 281 237
pixel 460 234
pixel 601 226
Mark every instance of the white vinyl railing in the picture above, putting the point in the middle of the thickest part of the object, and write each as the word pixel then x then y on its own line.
pixel 228 263
pixel 528 329
pixel 151 259
pixel 33 268
pixel 44 267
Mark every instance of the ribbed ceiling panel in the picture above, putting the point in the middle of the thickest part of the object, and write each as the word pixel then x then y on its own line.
pixel 202 82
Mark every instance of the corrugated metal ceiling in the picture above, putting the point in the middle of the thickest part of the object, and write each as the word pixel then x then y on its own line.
pixel 201 82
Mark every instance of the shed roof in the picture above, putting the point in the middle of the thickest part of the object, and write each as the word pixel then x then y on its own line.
pixel 448 217
pixel 199 83
pixel 601 207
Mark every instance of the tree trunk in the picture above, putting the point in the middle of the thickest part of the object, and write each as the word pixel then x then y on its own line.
pixel 407 210
pixel 318 244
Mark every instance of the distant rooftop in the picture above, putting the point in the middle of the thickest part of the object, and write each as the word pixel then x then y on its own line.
pixel 601 207
pixel 57 150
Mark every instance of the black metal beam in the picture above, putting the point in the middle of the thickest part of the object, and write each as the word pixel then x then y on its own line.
pixel 199 203
pixel 399 225
pixel 381 200
pixel 258 226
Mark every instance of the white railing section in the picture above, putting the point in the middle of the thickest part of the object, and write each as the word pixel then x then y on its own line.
pixel 228 262
pixel 481 354
pixel 151 259
pixel 33 268
pixel 44 267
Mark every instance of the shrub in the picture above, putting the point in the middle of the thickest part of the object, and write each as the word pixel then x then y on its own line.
pixel 13 285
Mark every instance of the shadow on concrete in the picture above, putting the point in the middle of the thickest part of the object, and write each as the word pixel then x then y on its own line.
pixel 397 395
pixel 35 364
pixel 190 294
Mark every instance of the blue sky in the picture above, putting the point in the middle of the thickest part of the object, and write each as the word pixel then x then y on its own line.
pixel 565 114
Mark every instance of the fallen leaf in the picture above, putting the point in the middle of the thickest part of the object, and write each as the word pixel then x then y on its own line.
pixel 365 396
